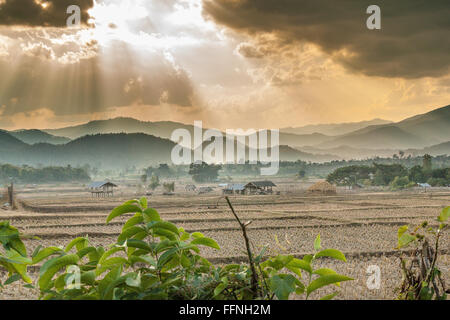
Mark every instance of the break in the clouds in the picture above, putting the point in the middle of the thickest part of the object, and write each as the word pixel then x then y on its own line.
pixel 42 13
pixel 414 41
pixel 76 78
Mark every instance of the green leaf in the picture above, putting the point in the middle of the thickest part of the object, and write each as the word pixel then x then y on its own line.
pixel 36 251
pixel 10 238
pixel 163 225
pixel 282 285
pixel 444 214
pixel 13 278
pixel 133 279
pixel 184 236
pixel 87 250
pixel 120 210
pixel 54 266
pixel 133 221
pixel 324 281
pixel 330 296
pixel 308 258
pixel 114 261
pixel 261 254
pixel 151 214
pixel 113 275
pixel 128 233
pixel 317 245
pixel 325 272
pixel 332 253
pixel 206 242
pixel 300 264
pixel 223 284
pixel 166 256
pixel 143 202
pixel 401 231
pixel 16 263
pixel 88 277
pixel 75 242
pixel 109 253
pixel 196 235
pixel 405 239
pixel 159 232
pixel 218 290
pixel 45 253
pixel 135 243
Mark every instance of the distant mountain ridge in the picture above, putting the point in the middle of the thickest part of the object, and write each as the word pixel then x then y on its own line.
pixel 33 136
pixel 378 137
pixel 334 129
pixel 113 150
pixel 162 129
pixel 125 139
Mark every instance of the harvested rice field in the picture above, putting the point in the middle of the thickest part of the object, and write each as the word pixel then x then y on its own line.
pixel 362 225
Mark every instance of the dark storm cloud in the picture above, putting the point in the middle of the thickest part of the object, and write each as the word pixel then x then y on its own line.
pixel 414 40
pixel 31 13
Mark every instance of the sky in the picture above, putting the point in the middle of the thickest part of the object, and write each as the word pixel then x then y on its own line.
pixel 230 63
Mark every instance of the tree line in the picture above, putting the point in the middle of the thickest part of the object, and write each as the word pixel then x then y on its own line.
pixel 27 174
pixel 395 175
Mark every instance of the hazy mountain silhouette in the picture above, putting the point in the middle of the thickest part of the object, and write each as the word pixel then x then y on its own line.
pixel 109 150
pixel 434 125
pixel 113 150
pixel 286 153
pixel 126 141
pixel 162 129
pixel 8 142
pixel 38 136
pixel 436 150
pixel 334 129
pixel 378 137
pixel 347 153
pixel 303 139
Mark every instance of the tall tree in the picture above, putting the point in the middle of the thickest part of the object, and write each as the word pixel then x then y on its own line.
pixel 203 172
pixel 426 164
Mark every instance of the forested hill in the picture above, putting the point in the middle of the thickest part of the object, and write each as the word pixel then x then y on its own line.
pixel 107 150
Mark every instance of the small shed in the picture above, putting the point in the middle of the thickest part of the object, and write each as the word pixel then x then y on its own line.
pixel 190 187
pixel 234 188
pixel 101 189
pixel 322 188
pixel 259 187
pixel 203 190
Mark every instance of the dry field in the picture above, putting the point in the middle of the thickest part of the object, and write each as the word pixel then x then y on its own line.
pixel 362 225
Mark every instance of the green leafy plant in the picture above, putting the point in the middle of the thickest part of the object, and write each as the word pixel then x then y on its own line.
pixel 154 259
pixel 278 276
pixel 14 258
pixel 422 278
pixel 282 275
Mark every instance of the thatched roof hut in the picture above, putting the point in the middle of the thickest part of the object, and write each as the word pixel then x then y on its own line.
pixel 322 187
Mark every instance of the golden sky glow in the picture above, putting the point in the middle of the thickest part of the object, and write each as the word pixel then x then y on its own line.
pixel 186 60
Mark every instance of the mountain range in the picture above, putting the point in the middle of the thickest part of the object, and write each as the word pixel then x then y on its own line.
pixel 334 129
pixel 127 141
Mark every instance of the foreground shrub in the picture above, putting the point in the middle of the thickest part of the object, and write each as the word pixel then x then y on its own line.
pixel 154 259
pixel 422 278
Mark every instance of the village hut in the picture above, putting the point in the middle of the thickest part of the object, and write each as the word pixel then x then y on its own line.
pixel 256 187
pixel 234 188
pixel 190 187
pixel 322 188
pixel 203 190
pixel 101 189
